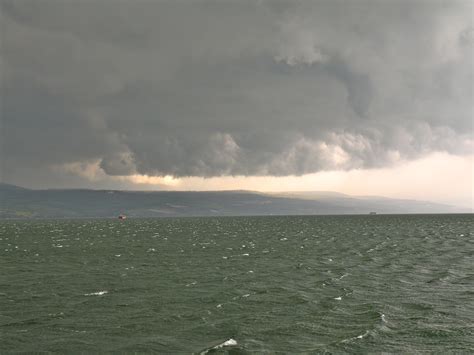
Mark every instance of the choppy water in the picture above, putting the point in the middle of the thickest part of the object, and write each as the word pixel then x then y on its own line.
pixel 287 284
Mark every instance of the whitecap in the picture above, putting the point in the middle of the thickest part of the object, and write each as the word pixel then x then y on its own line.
pixel 228 342
pixel 361 336
pixel 98 293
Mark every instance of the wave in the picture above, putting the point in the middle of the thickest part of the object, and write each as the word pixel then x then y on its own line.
pixel 98 293
pixel 227 343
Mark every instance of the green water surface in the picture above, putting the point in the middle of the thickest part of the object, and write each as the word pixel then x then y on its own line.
pixel 308 284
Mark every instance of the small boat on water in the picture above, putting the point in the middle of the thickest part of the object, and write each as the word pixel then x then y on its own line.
pixel 122 216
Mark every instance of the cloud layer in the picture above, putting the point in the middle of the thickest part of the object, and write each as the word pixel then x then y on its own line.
pixel 212 88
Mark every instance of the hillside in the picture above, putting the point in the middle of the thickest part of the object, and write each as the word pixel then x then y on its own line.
pixel 17 202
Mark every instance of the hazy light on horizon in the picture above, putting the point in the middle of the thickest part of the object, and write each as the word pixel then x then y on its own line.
pixel 438 177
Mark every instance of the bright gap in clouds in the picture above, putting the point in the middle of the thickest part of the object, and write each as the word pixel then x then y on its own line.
pixel 439 177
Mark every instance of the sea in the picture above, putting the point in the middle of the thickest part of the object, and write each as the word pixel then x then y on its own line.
pixel 239 285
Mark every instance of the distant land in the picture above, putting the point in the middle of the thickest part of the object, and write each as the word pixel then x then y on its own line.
pixel 18 202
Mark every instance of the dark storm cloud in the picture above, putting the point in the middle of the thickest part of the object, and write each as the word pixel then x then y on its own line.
pixel 210 88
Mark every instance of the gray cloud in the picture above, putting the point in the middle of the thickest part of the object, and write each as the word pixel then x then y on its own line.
pixel 210 88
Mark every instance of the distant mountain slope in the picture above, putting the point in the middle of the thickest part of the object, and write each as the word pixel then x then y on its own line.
pixel 8 187
pixel 376 203
pixel 17 202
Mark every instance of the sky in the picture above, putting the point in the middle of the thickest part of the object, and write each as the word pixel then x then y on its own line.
pixel 360 97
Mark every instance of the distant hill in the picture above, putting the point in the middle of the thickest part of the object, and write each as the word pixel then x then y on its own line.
pixel 18 202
